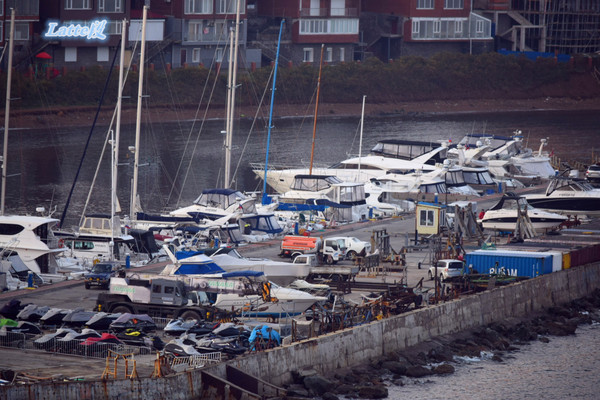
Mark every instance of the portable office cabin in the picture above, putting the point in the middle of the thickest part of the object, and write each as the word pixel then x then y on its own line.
pixel 513 263
pixel 430 218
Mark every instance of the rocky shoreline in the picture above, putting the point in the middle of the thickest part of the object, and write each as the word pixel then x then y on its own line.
pixel 58 117
pixel 436 357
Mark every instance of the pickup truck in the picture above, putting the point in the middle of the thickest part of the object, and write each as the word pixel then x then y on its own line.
pixel 328 250
pixel 353 246
pixel 101 273
pixel 334 273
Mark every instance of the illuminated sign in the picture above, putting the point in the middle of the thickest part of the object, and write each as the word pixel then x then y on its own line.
pixel 94 31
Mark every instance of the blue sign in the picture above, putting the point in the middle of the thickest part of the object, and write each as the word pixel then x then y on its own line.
pixel 93 32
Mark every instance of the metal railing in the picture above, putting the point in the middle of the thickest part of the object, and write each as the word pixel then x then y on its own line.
pixel 197 361
pixel 70 347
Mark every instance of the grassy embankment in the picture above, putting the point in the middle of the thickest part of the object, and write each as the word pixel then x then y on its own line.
pixel 442 77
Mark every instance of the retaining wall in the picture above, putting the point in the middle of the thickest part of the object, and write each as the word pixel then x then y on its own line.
pixel 347 348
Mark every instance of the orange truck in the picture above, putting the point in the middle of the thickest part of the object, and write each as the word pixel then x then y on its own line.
pixel 329 251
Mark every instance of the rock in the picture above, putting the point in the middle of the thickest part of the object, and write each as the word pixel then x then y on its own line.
pixel 297 390
pixel 441 354
pixel 395 367
pixel 318 385
pixel 497 358
pixel 373 392
pixel 544 339
pixel 418 371
pixel 344 389
pixel 560 329
pixel 443 369
pixel 298 376
pixel 329 396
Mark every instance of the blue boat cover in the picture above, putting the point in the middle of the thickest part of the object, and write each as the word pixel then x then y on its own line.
pixel 266 332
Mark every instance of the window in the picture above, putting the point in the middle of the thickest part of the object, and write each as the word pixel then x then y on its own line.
pixel 342 54
pixel 338 7
pixel 196 55
pixel 70 54
pixel 78 4
pixel 308 55
pixel 415 26
pixel 198 6
pixel 425 4
pixel 21 30
pixel 229 6
pixel 458 26
pixel 328 54
pixel 110 6
pixel 437 26
pixel 333 26
pixel 114 28
pixel 156 288
pixel 102 55
pixel 169 290
pixel 454 4
pixel 194 31
pixel 1 7
pixel 479 26
pixel 426 218
pixel 219 54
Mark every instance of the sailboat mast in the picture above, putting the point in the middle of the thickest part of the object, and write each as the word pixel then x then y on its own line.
pixel 264 198
pixel 138 122
pixel 362 120
pixel 228 119
pixel 312 150
pixel 229 138
pixel 7 107
pixel 115 145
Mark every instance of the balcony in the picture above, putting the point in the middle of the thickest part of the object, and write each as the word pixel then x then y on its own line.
pixel 329 12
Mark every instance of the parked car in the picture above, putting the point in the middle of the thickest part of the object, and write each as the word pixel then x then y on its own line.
pixel 101 273
pixel 593 173
pixel 353 247
pixel 447 269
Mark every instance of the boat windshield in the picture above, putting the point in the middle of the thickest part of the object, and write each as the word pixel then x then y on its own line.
pixel 478 178
pixel 568 185
pixel 439 187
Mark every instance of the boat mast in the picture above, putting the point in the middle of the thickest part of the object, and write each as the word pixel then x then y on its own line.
pixel 138 123
pixel 312 151
pixel 362 120
pixel 264 198
pixel 7 107
pixel 231 98
pixel 116 139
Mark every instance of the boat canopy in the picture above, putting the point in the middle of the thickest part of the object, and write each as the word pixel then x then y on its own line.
pixel 222 198
pixel 314 183
pixel 404 149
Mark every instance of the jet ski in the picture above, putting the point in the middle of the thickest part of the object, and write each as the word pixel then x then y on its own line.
pixel 101 321
pixel 53 317
pixel 32 312
pixel 77 317
pixel 48 341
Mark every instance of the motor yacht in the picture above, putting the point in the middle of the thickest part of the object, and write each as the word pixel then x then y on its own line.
pixel 386 155
pixel 503 215
pixel 568 196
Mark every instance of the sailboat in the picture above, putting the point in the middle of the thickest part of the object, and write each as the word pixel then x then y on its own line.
pixel 27 242
pixel 100 237
pixel 225 207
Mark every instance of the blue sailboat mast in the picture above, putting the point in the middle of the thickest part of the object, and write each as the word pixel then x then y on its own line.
pixel 265 198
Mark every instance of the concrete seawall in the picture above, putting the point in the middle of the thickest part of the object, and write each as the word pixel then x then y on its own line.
pixel 347 348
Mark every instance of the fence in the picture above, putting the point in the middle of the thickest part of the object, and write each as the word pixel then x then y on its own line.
pixel 197 361
pixel 71 347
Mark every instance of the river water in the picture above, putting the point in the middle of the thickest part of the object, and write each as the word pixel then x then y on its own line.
pixel 43 163
pixel 565 368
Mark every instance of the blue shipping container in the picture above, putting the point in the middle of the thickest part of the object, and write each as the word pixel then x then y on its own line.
pixel 514 263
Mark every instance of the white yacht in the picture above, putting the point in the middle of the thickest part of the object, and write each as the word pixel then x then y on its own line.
pixel 233 206
pixel 387 155
pixel 337 200
pixel 503 215
pixel 568 197
pixel 33 240
pixel 99 240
